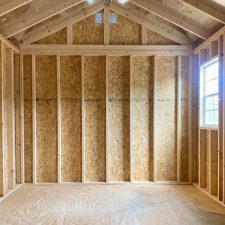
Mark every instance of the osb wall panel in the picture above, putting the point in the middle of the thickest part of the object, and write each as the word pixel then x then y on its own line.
pixel 156 39
pixel 88 32
pixel 166 119
pixel 142 117
pixel 94 94
pixel 59 37
pixel 184 117
pixel 5 159
pixel 119 116
pixel 71 118
pixel 28 147
pixel 125 32
pixel 46 94
pixel 207 158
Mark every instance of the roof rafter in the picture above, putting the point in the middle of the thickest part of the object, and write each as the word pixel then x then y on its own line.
pixel 57 24
pixel 34 17
pixel 171 16
pixel 219 16
pixel 151 23
pixel 12 5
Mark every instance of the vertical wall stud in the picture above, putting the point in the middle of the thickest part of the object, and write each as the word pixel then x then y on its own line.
pixel 2 143
pixel 83 119
pixel 10 118
pixel 69 34
pixel 34 127
pixel 190 96
pixel 179 119
pixel 22 119
pixel 131 115
pixel 106 25
pixel 223 114
pixel 155 118
pixel 59 119
pixel 221 122
pixel 144 33
pixel 107 119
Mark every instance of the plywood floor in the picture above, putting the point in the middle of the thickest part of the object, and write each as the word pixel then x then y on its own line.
pixel 123 204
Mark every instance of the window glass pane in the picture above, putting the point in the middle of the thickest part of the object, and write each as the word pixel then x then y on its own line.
pixel 211 87
pixel 210 72
pixel 215 117
pixel 209 103
pixel 209 117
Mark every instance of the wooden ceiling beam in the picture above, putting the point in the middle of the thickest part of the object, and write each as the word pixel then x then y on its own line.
pixel 152 23
pixel 210 10
pixel 12 5
pixel 37 15
pixel 57 24
pixel 171 16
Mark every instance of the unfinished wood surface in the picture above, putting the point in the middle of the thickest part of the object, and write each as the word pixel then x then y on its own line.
pixel 94 96
pixel 131 118
pixel 17 94
pixel 119 117
pixel 185 75
pixel 59 37
pixel 156 39
pixel 166 119
pixel 202 159
pixel 142 117
pixel 5 106
pixel 120 33
pixel 46 94
pixel 106 25
pixel 28 145
pixel 2 143
pixel 88 32
pixel 207 153
pixel 70 83
pixel 213 162
pixel 111 204
pixel 107 118
pixel 10 118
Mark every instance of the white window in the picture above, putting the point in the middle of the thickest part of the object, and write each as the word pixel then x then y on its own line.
pixel 99 18
pixel 209 86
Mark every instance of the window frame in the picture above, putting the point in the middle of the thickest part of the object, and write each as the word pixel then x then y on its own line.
pixel 203 96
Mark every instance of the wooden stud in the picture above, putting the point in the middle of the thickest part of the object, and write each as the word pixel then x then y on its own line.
pixel 11 5
pixel 179 119
pixel 214 49
pixel 8 44
pixel 213 154
pixel 112 50
pixel 10 118
pixel 190 121
pixel 69 34
pixel 2 141
pixel 83 119
pixel 107 119
pixel 171 16
pixel 202 159
pixel 223 110
pixel 144 33
pixel 131 115
pixel 22 119
pixel 106 25
pixel 221 122
pixel 155 166
pixel 34 128
pixel 17 117
pixel 59 117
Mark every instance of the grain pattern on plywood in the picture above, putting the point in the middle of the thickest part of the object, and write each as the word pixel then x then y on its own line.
pixel 46 94
pixel 94 97
pixel 125 32
pixel 59 37
pixel 119 117
pixel 156 39
pixel 166 119
pixel 142 117
pixel 88 32
pixel 28 147
pixel 184 117
pixel 70 83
